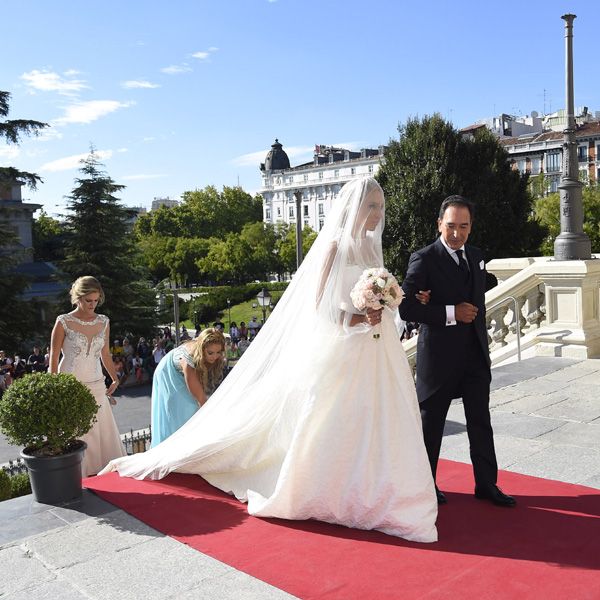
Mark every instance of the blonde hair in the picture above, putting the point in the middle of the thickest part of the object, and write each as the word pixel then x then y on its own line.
pixel 209 375
pixel 86 285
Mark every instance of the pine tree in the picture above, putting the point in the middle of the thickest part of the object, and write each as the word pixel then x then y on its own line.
pixel 16 315
pixel 100 243
pixel 430 161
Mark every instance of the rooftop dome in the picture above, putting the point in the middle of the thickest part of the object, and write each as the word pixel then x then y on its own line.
pixel 277 159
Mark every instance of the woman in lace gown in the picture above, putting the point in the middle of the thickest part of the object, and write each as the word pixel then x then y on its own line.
pixel 82 337
pixel 318 419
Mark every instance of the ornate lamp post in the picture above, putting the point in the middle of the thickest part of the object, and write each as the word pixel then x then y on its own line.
pixel 264 299
pixel 572 243
pixel 229 312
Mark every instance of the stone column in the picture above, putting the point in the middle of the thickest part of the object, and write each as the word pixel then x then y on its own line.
pixel 572 243
pixel 298 196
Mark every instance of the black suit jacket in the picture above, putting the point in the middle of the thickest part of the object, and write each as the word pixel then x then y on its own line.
pixel 442 349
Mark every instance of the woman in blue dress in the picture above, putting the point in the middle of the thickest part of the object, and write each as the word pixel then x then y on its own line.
pixel 183 381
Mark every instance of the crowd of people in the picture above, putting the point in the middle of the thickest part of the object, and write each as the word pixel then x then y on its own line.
pixel 15 367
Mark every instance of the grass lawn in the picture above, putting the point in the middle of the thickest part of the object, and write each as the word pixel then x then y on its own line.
pixel 239 312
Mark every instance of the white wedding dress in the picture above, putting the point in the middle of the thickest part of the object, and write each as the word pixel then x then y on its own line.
pixel 324 425
pixel 81 351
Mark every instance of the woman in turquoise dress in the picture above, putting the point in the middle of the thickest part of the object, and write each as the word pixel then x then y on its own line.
pixel 183 381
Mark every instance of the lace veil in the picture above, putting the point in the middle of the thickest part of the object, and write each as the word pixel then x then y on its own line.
pixel 292 354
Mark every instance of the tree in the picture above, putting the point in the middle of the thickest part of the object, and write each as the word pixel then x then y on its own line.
pixel 547 212
pixel 99 243
pixel 48 238
pixel 432 160
pixel 286 245
pixel 12 131
pixel 16 315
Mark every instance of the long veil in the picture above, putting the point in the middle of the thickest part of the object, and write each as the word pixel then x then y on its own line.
pixel 289 356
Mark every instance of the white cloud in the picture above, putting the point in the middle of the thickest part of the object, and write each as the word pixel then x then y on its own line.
pixel 148 139
pixel 204 54
pixel 48 81
pixel 141 176
pixel 8 153
pixel 73 162
pixel 176 69
pixel 255 158
pixel 87 112
pixel 139 84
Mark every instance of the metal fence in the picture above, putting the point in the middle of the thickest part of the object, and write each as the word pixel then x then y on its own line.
pixel 134 442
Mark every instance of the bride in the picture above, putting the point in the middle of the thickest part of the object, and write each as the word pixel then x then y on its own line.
pixel 319 419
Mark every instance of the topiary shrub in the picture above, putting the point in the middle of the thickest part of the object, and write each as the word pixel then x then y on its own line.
pixel 20 485
pixel 47 412
pixel 5 487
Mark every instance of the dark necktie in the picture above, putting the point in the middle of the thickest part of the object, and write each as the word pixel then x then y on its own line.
pixel 462 264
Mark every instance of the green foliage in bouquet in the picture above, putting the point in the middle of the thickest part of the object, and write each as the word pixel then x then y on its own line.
pixel 46 412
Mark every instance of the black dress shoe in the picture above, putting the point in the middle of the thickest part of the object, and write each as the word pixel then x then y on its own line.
pixel 441 497
pixel 495 495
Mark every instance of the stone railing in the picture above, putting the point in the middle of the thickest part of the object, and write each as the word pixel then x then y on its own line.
pixel 540 307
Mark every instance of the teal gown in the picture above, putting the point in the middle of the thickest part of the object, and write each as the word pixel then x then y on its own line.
pixel 172 403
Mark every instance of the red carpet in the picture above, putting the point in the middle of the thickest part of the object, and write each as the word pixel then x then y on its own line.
pixel 547 547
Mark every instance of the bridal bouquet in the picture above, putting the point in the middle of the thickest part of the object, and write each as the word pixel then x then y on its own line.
pixel 375 289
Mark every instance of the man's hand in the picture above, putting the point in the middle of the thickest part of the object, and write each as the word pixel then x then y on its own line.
pixel 465 312
pixel 423 296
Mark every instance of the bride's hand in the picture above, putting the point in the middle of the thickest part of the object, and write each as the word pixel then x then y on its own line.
pixel 373 317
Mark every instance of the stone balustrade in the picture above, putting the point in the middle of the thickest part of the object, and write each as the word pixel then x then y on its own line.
pixel 540 307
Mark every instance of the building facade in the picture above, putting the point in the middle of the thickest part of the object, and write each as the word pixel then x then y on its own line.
pixel 168 202
pixel 18 216
pixel 319 181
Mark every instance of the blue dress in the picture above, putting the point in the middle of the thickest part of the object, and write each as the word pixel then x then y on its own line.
pixel 172 403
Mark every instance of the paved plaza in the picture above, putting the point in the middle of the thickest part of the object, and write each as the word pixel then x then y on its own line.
pixel 546 416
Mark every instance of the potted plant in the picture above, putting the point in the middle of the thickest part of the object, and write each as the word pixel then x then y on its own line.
pixel 46 413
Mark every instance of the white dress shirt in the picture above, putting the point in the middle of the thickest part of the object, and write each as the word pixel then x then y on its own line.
pixel 450 314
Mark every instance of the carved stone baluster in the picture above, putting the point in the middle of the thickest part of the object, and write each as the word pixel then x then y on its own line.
pixel 535 298
pixel 500 330
pixel 518 319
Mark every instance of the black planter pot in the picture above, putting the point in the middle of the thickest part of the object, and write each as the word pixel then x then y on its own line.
pixel 55 479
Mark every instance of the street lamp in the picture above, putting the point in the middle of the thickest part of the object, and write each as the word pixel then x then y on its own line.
pixel 264 299
pixel 229 312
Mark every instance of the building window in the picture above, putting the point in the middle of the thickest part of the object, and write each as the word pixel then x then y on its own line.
pixel 305 222
pixel 291 212
pixel 536 165
pixel 320 174
pixel 336 173
pixel 582 153
pixel 321 221
pixel 268 214
pixel 371 169
pixel 279 211
pixel 291 179
pixel 353 171
pixel 321 210
pixel 305 177
pixel 306 210
pixel 583 176
pixel 521 165
pixel 553 162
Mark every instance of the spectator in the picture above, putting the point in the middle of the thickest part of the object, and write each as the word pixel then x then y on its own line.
pixel 138 367
pixel 119 368
pixel 198 330
pixel 234 332
pixel 47 357
pixel 116 349
pixel 35 362
pixel 158 353
pixel 184 334
pixel 243 331
pixel 243 346
pixel 142 348
pixel 5 371
pixel 253 328
pixel 19 367
pixel 218 324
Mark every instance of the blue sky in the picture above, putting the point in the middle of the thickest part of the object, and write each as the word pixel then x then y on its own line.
pixel 182 94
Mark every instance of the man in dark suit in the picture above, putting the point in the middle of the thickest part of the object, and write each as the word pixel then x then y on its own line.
pixel 453 358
